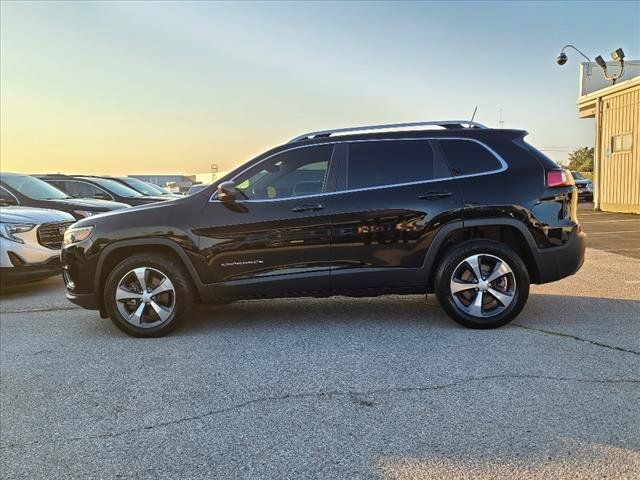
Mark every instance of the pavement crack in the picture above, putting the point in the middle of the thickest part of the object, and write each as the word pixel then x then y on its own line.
pixel 38 310
pixel 352 394
pixel 579 339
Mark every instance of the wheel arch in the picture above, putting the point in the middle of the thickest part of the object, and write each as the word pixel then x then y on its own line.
pixel 115 252
pixel 508 231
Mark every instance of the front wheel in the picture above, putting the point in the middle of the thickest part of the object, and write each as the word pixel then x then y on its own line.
pixel 147 295
pixel 482 284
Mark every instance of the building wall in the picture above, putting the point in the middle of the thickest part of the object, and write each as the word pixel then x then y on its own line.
pixel 618 174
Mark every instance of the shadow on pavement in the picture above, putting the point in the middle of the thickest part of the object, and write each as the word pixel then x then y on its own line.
pixel 48 285
pixel 612 320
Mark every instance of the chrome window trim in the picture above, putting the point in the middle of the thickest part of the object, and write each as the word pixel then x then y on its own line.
pixel 503 166
pixel 14 197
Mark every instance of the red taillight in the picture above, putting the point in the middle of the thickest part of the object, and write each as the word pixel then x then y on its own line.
pixel 558 178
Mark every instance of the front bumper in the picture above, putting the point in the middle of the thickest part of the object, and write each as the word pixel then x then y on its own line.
pixel 84 300
pixel 585 194
pixel 30 272
pixel 560 262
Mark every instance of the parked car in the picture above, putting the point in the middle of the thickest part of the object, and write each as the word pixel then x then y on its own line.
pixel 28 191
pixel 146 189
pixel 584 186
pixel 100 188
pixel 30 241
pixel 470 213
pixel 164 191
pixel 195 188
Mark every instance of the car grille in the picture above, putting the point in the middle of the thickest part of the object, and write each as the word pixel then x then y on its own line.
pixel 50 234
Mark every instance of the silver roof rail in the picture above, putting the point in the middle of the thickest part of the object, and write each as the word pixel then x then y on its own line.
pixel 448 124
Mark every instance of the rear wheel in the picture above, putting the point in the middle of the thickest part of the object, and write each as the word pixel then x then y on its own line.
pixel 147 295
pixel 482 284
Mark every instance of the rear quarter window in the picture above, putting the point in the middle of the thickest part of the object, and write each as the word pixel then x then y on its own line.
pixel 467 157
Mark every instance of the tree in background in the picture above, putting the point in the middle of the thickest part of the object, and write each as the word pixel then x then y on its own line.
pixel 581 159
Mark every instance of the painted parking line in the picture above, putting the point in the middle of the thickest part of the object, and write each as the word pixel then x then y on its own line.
pixel 617 220
pixel 611 232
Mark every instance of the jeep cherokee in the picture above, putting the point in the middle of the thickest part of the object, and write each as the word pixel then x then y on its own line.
pixel 469 213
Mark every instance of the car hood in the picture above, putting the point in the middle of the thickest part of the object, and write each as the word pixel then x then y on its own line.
pixel 33 215
pixel 91 203
pixel 113 216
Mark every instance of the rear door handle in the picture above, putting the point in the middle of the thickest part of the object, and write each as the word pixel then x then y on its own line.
pixel 434 195
pixel 307 207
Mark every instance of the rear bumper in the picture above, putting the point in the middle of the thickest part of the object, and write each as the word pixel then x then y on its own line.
pixel 84 300
pixel 560 262
pixel 585 195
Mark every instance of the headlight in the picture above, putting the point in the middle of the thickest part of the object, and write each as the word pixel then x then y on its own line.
pixel 74 235
pixel 589 187
pixel 8 230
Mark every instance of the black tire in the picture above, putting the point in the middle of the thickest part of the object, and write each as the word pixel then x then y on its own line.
pixel 182 299
pixel 452 260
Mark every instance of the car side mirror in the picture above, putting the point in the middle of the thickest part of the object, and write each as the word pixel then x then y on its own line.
pixel 7 201
pixel 227 191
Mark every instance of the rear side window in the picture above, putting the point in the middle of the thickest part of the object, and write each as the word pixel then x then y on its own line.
pixel 467 157
pixel 389 162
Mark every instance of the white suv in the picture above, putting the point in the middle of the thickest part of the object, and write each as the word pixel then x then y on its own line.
pixel 30 241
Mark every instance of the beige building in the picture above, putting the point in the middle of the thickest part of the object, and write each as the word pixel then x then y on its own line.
pixel 616 109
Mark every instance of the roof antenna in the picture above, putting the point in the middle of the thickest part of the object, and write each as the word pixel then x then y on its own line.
pixel 475 110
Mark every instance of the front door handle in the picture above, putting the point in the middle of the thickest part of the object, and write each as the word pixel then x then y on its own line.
pixel 308 207
pixel 434 195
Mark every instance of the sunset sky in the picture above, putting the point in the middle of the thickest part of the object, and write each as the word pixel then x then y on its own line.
pixel 146 87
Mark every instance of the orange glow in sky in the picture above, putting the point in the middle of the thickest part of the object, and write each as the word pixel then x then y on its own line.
pixel 163 87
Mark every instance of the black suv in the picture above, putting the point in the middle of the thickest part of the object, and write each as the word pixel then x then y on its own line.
pixel 470 213
pixel 100 188
pixel 28 191
pixel 145 188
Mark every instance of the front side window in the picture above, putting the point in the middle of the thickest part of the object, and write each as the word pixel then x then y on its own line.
pixel 389 162
pixel 7 198
pixel 80 189
pixel 294 173
pixel 467 157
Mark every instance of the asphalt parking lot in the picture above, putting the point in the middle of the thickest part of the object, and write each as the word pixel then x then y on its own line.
pixel 612 232
pixel 335 388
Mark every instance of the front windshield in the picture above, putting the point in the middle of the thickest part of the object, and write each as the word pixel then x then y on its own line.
pixel 578 176
pixel 116 187
pixel 157 188
pixel 34 188
pixel 160 189
pixel 142 187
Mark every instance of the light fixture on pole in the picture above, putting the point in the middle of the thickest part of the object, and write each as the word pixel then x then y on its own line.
pixel 617 56
pixel 562 58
